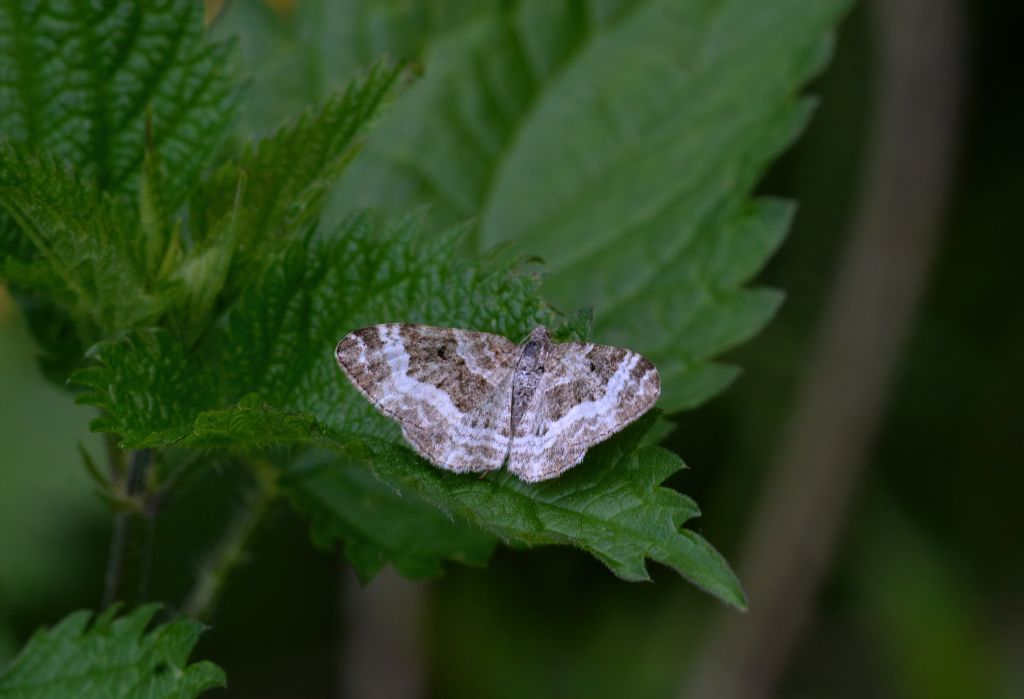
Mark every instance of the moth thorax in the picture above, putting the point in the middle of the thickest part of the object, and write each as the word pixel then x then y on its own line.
pixel 529 372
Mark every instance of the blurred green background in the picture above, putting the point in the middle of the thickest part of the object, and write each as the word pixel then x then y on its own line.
pixel 922 599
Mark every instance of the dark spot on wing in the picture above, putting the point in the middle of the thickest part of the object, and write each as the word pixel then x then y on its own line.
pixel 604 361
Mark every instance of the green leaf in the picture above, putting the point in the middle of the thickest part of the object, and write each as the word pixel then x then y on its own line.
pixel 106 268
pixel 295 58
pixel 81 78
pixel 112 657
pixel 610 506
pixel 278 339
pixel 378 523
pixel 620 142
pixel 109 89
pixel 146 382
pixel 86 259
pixel 288 173
pixel 268 376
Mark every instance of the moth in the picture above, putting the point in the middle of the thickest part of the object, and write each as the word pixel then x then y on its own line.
pixel 471 401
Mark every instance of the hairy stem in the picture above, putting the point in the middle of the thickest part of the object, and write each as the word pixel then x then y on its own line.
pixel 231 550
pixel 131 544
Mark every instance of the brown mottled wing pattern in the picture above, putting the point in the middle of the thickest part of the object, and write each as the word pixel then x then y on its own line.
pixel 449 389
pixel 587 393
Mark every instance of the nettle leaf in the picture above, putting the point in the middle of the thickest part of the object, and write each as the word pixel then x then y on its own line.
pixel 278 384
pixel 295 58
pixel 255 205
pixel 610 506
pixel 81 80
pixel 88 258
pixel 280 337
pixel 378 522
pixel 148 385
pixel 109 90
pixel 288 173
pixel 621 143
pixel 111 657
pixel 84 256
pixel 278 340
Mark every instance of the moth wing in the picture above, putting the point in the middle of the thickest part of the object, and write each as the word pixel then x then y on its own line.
pixel 588 393
pixel 449 389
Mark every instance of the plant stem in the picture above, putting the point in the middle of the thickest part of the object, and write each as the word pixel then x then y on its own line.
pixel 131 543
pixel 231 549
pixel 115 458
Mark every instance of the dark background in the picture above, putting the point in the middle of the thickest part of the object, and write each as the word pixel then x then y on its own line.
pixel 922 597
